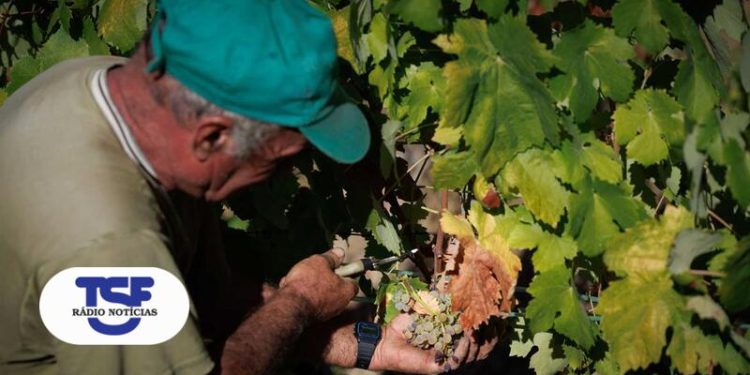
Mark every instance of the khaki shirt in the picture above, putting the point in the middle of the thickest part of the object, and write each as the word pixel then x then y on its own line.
pixel 70 196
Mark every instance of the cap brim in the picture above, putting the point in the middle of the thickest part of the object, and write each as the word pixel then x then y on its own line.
pixel 343 134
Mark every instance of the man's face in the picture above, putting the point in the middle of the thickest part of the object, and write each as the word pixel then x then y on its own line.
pixel 230 174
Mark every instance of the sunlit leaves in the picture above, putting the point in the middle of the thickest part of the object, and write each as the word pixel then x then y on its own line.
pixel 594 60
pixel 426 86
pixel 649 123
pixel 60 46
pixel 493 92
pixel 123 22
pixel 556 304
pixel 636 313
pixel 645 247
pixel 598 212
pixel 424 14
pixel 532 173
pixel 453 169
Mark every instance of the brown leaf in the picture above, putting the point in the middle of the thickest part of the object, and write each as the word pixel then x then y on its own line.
pixel 482 288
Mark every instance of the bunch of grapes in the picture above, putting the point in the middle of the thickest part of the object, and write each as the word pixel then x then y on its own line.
pixel 439 329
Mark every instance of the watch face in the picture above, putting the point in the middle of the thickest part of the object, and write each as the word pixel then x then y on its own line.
pixel 368 330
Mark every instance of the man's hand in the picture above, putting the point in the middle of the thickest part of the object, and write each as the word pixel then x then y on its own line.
pixel 325 293
pixel 396 354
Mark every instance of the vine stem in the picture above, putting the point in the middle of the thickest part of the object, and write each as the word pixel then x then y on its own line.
pixel 440 240
pixel 707 273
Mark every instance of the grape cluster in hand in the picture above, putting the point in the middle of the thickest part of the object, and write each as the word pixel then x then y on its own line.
pixel 439 330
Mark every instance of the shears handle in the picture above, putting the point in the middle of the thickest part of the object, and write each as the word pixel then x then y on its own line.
pixel 351 269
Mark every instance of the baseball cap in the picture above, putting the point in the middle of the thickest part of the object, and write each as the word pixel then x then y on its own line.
pixel 267 60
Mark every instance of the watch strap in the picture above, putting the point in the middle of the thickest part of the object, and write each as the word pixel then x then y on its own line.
pixel 365 350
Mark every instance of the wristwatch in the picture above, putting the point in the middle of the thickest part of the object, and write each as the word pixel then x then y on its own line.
pixel 368 335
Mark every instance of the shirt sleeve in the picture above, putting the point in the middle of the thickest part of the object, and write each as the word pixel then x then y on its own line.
pixel 185 353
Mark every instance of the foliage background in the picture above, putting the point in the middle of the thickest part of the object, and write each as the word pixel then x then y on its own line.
pixel 608 139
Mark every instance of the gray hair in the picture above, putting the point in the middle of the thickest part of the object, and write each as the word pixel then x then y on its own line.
pixel 247 134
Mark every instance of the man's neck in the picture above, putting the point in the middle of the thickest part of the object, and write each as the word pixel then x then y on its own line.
pixel 129 91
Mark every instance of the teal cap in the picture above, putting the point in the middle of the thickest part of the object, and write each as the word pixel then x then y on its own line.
pixel 267 60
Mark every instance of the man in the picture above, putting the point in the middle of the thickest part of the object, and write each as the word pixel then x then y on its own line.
pixel 110 162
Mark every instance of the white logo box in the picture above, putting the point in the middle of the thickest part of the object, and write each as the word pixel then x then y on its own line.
pixel 61 299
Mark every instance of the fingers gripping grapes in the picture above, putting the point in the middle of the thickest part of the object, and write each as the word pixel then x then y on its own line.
pixel 314 281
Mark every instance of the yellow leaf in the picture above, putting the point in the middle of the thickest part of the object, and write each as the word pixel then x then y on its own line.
pixel 426 304
pixel 455 225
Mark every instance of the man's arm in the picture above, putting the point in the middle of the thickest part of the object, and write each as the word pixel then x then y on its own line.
pixel 309 293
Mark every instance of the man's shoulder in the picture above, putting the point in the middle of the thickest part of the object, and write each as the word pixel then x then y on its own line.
pixel 66 178
pixel 67 75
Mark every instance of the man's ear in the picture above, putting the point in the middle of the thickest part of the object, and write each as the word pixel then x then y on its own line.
pixel 212 134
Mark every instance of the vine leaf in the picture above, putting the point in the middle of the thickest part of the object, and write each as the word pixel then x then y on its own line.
pixel 521 233
pixel 636 313
pixel 543 361
pixel 453 170
pixel 689 244
pixel 648 124
pixel 489 270
pixel 645 247
pixel 738 174
pixel 599 160
pixel 643 19
pixel 532 174
pixel 60 46
pixel 476 290
pixel 594 59
pixel 556 304
pixel 123 22
pixel 733 290
pixel 692 351
pixel 493 90
pixel 424 14
pixel 426 304
pixel 427 86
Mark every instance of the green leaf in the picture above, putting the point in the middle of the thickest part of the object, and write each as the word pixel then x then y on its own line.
pixel 733 292
pixel 543 361
pixel 58 47
pixel 598 212
pixel 649 123
pixel 494 92
pixel 645 247
pixel 123 22
pixel 695 90
pixel 689 244
pixel 532 174
pixel 521 233
pixel 576 160
pixel 636 313
pixel 643 19
pixel 692 351
pixel 594 60
pixel 493 8
pixel 738 173
pixel 447 136
pixel 555 304
pixel 453 170
pixel 384 232
pixel 377 39
pixel 424 14
pixel 724 31
pixel 96 45
pixel 427 89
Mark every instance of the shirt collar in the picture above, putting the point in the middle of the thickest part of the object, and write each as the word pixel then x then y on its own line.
pixel 121 129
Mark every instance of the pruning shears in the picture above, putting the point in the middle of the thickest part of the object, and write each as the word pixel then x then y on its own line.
pixel 370 263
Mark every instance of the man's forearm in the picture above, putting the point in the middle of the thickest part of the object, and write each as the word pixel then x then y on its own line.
pixel 263 339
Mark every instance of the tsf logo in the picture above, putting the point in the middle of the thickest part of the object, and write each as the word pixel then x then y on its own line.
pixel 114 305
pixel 96 286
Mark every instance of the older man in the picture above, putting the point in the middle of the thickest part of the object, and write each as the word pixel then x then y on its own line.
pixel 111 162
